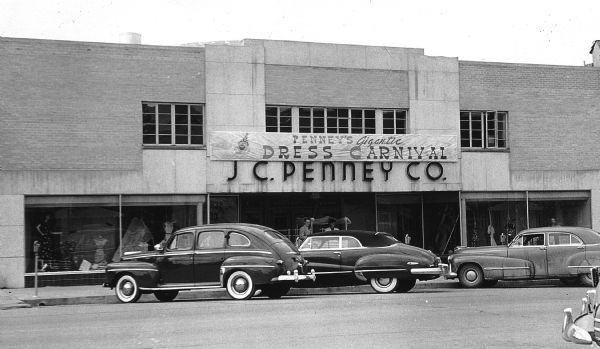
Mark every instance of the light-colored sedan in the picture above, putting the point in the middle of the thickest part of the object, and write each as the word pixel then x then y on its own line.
pixel 565 253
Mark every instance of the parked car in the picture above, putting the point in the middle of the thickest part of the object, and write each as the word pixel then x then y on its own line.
pixel 564 253
pixel 585 328
pixel 342 258
pixel 242 258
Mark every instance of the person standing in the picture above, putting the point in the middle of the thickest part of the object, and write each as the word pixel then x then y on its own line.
pixel 304 231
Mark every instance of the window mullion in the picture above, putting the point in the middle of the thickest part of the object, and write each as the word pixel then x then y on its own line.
pixel 173 124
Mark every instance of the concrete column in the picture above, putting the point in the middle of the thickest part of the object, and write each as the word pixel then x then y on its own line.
pixel 200 213
pixel 595 203
pixel 12 241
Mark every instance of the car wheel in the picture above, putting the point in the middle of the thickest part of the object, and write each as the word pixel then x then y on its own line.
pixel 586 280
pixel 240 285
pixel 490 283
pixel 276 291
pixel 471 276
pixel 384 284
pixel 166 296
pixel 405 285
pixel 127 290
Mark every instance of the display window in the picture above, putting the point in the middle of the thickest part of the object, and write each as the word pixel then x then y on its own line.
pixel 496 218
pixel 85 233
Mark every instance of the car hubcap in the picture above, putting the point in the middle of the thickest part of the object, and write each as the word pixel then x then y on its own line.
pixel 240 285
pixel 384 281
pixel 127 289
pixel 471 275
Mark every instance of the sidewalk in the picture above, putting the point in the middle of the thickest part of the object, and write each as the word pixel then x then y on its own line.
pixel 70 295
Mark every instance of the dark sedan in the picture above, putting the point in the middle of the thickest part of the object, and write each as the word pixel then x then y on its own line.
pixel 342 258
pixel 242 258
pixel 565 253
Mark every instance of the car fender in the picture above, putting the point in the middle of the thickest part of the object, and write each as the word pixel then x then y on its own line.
pixel 146 274
pixel 261 269
pixel 490 265
pixel 395 265
pixel 583 260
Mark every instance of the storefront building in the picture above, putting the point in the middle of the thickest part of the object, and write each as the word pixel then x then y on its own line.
pixel 107 148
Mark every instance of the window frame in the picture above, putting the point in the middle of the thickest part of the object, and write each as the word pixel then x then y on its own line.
pixel 497 131
pixel 156 123
pixel 278 119
pixel 336 120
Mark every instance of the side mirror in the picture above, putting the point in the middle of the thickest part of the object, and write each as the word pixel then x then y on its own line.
pixel 158 247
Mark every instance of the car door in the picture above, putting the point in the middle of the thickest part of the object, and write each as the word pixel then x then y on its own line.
pixel 323 253
pixel 529 247
pixel 177 262
pixel 561 246
pixel 208 257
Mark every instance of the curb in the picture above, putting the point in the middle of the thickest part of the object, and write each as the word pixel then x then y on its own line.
pixel 213 294
pixel 221 294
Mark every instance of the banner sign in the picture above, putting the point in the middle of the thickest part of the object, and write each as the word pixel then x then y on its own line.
pixel 266 146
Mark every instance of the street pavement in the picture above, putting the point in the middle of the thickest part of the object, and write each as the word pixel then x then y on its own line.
pixel 72 295
pixel 508 316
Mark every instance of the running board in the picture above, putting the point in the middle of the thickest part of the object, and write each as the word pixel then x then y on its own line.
pixel 178 288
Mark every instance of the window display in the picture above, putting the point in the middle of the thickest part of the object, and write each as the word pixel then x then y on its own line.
pixel 84 234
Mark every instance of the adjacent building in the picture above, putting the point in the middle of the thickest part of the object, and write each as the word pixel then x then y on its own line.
pixel 106 148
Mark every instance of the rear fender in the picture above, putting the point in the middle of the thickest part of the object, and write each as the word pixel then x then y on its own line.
pixel 145 274
pixel 580 263
pixel 384 265
pixel 261 269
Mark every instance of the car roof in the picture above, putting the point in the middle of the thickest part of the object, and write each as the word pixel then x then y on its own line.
pixel 354 233
pixel 586 234
pixel 248 227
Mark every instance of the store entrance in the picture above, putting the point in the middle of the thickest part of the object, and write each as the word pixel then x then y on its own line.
pixel 427 220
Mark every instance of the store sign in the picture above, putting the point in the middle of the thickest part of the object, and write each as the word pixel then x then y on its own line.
pixel 331 171
pixel 264 146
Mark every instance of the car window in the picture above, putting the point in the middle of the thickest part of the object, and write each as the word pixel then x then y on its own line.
pixel 563 239
pixel 576 240
pixel 183 241
pixel 211 239
pixel 533 239
pixel 559 239
pixel 517 242
pixel 350 242
pixel 322 242
pixel 238 240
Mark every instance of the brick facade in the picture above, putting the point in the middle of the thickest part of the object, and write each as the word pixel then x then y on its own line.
pixel 553 111
pixel 334 87
pixel 73 105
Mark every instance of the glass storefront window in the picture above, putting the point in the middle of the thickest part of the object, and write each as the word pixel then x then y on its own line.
pixel 400 215
pixel 224 209
pixel 495 220
pixel 85 233
pixel 559 208
pixel 75 233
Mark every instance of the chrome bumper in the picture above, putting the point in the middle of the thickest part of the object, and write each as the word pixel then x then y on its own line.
pixel 450 274
pixel 441 269
pixel 295 276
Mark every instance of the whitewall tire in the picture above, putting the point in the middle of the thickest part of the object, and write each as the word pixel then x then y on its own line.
pixel 384 284
pixel 127 290
pixel 240 285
